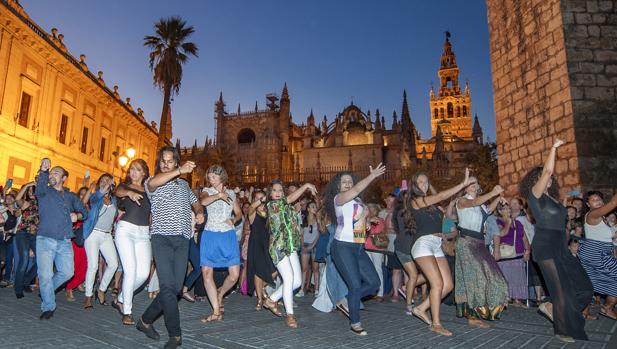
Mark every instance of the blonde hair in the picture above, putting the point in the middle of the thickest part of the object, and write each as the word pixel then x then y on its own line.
pixel 220 171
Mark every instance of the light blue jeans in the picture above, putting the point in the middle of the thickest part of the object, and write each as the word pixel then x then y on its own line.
pixel 49 252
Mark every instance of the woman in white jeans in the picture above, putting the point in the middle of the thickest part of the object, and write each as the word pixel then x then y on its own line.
pixel 285 241
pixel 97 234
pixel 133 237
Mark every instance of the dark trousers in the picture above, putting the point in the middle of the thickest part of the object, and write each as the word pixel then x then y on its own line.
pixel 8 255
pixel 170 255
pixel 24 242
pixel 358 272
pixel 194 258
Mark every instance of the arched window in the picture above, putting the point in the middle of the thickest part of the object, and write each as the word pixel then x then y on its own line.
pixel 464 110
pixel 246 135
pixel 435 113
pixel 450 110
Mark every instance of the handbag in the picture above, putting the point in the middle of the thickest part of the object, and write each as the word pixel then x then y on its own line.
pixel 508 251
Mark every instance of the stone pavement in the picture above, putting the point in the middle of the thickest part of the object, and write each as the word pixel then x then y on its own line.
pixel 243 327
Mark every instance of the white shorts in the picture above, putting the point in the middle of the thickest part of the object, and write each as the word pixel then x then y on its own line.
pixel 427 245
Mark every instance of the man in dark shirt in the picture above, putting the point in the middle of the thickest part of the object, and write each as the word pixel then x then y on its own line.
pixel 58 210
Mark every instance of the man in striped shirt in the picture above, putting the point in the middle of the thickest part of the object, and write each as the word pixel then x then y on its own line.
pixel 171 201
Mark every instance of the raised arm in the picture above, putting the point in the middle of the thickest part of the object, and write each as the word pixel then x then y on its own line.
pixel 22 192
pixel 549 167
pixel 88 194
pixel 441 196
pixel 293 197
pixel 162 178
pixel 41 181
pixel 253 208
pixel 466 203
pixel 594 216
pixel 374 173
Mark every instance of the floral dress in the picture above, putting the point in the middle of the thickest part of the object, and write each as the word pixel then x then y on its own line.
pixel 30 218
pixel 284 230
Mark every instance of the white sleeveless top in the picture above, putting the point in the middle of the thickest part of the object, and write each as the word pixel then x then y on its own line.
pixel 599 232
pixel 219 211
pixel 470 218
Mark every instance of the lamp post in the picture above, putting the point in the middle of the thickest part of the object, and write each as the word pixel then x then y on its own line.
pixel 124 159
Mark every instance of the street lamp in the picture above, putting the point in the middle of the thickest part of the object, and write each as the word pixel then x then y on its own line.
pixel 125 158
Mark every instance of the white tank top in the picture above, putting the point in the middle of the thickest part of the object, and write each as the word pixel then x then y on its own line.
pixel 599 232
pixel 470 218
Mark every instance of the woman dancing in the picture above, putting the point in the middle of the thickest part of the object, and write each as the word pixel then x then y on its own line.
pixel 285 241
pixel 219 246
pixel 344 207
pixel 566 280
pixel 423 216
pixel 133 236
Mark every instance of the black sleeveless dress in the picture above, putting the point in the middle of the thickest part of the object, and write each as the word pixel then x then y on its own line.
pixel 567 282
pixel 258 260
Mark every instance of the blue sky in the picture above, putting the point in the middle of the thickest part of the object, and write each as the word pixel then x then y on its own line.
pixel 328 52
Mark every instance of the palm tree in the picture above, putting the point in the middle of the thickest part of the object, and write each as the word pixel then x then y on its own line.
pixel 170 50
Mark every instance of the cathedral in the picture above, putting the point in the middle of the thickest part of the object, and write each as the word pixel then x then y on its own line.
pixel 267 144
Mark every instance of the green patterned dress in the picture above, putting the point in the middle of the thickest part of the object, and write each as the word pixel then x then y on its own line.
pixel 284 230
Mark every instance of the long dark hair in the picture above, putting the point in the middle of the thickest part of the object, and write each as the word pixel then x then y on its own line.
pixel 159 157
pixel 306 213
pixel 144 167
pixel 332 189
pixel 531 178
pixel 413 192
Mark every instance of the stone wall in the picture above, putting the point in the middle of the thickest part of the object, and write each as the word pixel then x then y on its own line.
pixel 553 78
pixel 591 50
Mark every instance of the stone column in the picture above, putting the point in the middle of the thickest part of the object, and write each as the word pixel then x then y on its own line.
pixel 554 65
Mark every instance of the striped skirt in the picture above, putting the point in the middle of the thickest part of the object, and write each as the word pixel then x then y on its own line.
pixel 514 272
pixel 600 264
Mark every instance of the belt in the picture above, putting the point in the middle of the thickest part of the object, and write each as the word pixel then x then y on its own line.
pixel 471 234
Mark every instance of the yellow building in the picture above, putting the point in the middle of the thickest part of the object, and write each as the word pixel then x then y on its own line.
pixel 52 106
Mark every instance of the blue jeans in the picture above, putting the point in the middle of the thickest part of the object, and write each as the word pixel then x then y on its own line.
pixel 24 242
pixel 9 247
pixel 358 272
pixel 194 257
pixel 49 252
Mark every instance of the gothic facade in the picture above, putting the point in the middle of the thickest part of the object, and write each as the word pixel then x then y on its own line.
pixel 267 144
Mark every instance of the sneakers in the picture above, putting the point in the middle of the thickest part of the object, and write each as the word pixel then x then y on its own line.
pixel 300 294
pixel 149 331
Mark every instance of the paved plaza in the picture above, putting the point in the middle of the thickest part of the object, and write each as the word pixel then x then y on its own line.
pixel 243 327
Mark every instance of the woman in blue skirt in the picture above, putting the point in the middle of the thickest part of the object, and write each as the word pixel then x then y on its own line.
pixel 219 247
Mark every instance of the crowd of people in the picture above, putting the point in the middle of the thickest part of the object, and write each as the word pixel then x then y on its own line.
pixel 461 246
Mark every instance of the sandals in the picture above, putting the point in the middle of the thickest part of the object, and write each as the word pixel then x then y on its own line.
pixel 260 304
pixel 88 303
pixel 340 307
pixel 128 320
pixel 115 292
pixel 291 321
pixel 565 339
pixel 409 309
pixel 415 312
pixel 212 318
pixel 187 296
pixel 118 306
pixel 100 297
pixel 272 306
pixel 440 330
pixel 477 322
pixel 359 330
pixel 543 309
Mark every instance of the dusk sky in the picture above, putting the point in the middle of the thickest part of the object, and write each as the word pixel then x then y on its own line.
pixel 326 51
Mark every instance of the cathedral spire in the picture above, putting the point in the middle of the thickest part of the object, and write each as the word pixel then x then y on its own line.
pixel 478 135
pixel 405 115
pixel 377 120
pixel 285 94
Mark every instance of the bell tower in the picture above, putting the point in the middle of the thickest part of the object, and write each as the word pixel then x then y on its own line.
pixel 451 107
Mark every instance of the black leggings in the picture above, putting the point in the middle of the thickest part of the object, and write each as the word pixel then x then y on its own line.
pixel 570 290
